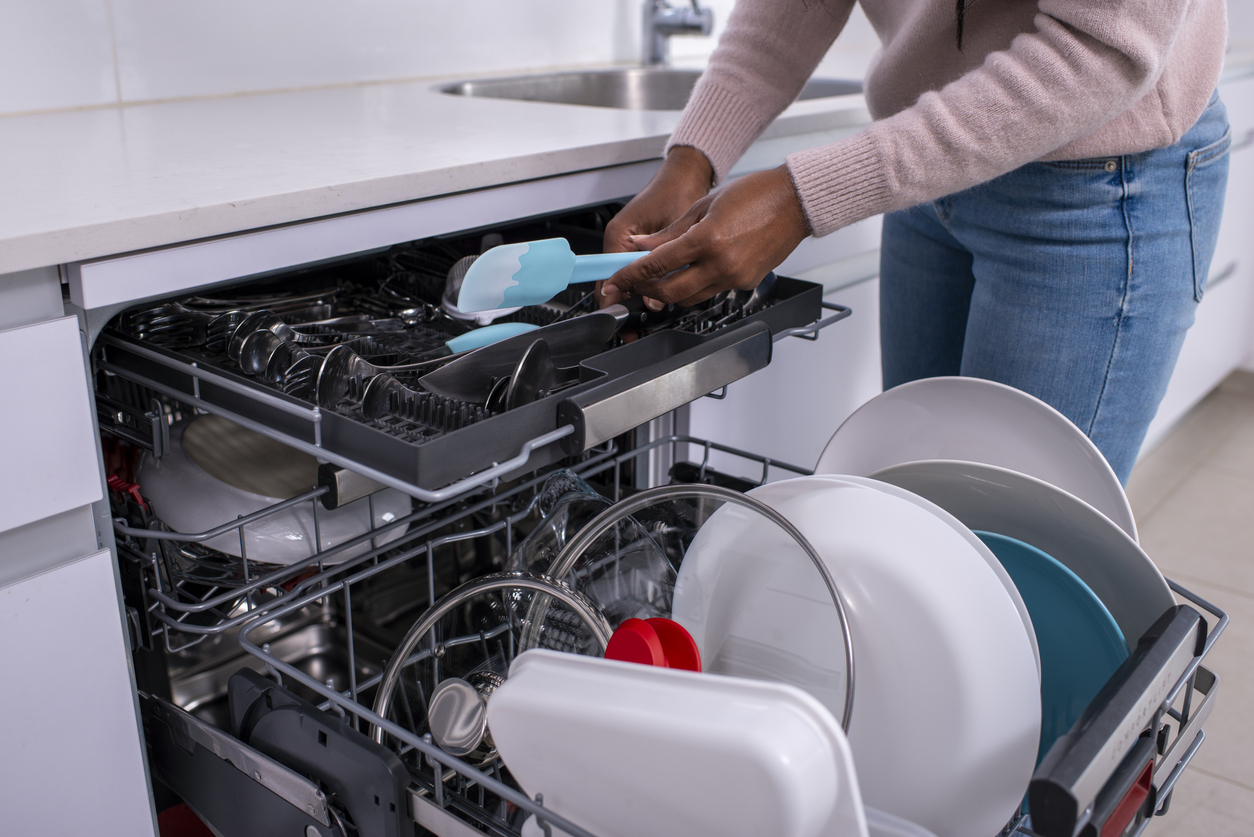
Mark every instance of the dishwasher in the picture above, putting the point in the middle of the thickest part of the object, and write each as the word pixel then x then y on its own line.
pixel 259 677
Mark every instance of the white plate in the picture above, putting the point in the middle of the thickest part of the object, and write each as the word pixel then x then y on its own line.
pixel 970 537
pixel 188 499
pixel 946 706
pixel 1019 506
pixel 625 750
pixel 978 421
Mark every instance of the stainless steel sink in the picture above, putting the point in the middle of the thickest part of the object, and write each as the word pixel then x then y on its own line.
pixel 630 88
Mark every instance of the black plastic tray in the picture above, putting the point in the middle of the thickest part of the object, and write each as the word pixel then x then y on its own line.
pixel 432 461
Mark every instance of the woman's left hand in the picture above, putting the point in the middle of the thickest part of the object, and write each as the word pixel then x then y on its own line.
pixel 729 239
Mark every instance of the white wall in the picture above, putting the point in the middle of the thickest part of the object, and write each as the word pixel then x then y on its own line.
pixel 58 54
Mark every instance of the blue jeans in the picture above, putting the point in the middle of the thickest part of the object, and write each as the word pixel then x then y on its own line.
pixel 1074 281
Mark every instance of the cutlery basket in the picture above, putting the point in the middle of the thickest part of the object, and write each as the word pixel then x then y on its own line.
pixel 427 446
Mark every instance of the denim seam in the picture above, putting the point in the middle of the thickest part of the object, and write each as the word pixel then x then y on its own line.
pixel 1087 164
pixel 1123 303
pixel 1205 155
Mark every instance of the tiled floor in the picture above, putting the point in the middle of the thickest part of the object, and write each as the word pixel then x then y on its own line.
pixel 1193 497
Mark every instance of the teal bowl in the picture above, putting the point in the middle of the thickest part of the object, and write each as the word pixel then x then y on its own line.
pixel 1080 643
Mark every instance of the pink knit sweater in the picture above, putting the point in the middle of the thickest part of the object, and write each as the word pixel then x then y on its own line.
pixel 1035 80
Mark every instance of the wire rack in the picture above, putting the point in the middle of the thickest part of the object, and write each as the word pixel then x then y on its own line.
pixel 484 795
pixel 446 790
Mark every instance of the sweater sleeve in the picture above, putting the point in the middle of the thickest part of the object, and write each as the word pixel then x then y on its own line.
pixel 764 57
pixel 1085 62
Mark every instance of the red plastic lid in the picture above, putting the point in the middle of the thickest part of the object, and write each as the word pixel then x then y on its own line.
pixel 678 645
pixel 636 641
pixel 654 642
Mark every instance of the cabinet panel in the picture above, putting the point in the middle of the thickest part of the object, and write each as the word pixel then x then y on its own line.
pixel 72 759
pixel 789 410
pixel 47 423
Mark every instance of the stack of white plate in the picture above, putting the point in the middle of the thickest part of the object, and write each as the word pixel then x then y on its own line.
pixel 879 588
pixel 1008 466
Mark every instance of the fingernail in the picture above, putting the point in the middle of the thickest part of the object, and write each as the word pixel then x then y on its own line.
pixel 605 290
pixel 654 304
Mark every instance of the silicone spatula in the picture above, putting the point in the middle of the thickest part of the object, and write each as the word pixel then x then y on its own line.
pixel 532 272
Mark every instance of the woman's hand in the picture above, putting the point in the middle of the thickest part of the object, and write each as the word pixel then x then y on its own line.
pixel 729 239
pixel 684 178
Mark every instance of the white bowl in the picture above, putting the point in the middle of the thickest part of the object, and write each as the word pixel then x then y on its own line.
pixel 946 706
pixel 1019 506
pixel 978 421
pixel 189 499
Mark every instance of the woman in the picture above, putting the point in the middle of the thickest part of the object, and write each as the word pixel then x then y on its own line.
pixel 1051 174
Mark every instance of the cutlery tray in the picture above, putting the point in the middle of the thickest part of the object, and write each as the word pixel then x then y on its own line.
pixel 425 448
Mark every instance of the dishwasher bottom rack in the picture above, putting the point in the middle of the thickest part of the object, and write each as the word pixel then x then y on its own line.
pixel 1111 774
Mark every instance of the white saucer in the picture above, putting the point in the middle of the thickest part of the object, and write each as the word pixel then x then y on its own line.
pixel 978 421
pixel 1019 506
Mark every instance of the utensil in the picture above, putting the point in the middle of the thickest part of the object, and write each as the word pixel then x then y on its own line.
pixel 978 421
pixel 536 377
pixel 272 332
pixel 453 287
pixel 470 378
pixel 215 471
pixel 992 499
pixel 1081 645
pixel 343 366
pixel 532 272
pixel 624 750
pixel 385 395
pixel 946 715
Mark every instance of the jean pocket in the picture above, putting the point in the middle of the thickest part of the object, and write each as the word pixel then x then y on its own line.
pixel 1206 180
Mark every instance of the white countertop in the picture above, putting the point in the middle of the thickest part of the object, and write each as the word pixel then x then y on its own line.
pixel 101 181
pixel 83 184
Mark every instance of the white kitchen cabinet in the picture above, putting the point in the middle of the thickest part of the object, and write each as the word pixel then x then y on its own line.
pixel 73 762
pixel 1223 334
pixel 789 410
pixel 54 465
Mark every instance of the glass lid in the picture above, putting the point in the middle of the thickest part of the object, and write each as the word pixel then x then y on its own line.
pixel 743 581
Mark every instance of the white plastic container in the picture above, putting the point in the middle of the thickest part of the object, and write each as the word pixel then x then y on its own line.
pixel 625 750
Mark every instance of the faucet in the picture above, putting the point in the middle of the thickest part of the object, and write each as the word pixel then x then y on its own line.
pixel 661 20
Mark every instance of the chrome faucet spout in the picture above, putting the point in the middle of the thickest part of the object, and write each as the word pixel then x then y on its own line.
pixel 662 20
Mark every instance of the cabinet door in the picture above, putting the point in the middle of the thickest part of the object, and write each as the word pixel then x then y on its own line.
pixel 51 465
pixel 790 409
pixel 71 757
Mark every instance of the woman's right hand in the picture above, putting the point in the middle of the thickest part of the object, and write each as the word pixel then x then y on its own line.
pixel 685 177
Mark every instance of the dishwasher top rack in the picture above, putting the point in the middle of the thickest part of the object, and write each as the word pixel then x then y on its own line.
pixel 433 448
